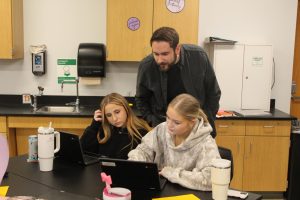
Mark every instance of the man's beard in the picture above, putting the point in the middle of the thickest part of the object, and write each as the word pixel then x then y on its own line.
pixel 164 67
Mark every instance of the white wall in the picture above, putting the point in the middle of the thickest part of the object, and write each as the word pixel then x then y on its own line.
pixel 63 24
pixel 257 21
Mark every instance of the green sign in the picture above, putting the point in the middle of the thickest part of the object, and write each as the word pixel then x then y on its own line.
pixel 66 71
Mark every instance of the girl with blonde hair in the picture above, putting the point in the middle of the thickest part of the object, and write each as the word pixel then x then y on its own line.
pixel 182 146
pixel 115 129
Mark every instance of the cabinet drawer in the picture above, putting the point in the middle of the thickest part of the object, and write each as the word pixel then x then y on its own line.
pixel 2 124
pixel 57 122
pixel 230 127
pixel 268 127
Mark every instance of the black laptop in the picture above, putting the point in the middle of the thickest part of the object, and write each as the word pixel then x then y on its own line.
pixel 71 150
pixel 133 174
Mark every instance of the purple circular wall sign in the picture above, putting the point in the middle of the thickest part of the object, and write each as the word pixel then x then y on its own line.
pixel 133 23
pixel 175 6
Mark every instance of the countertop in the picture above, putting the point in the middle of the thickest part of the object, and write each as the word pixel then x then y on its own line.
pixel 273 115
pixel 11 105
pixel 20 110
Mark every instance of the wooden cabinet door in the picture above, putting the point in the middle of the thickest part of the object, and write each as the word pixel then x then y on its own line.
pixel 236 145
pixel 129 29
pixel 11 29
pixel 125 43
pixel 265 163
pixel 295 100
pixel 3 125
pixel 5 29
pixel 185 22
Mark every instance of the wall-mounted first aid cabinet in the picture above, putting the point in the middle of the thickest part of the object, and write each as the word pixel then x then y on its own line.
pixel 244 73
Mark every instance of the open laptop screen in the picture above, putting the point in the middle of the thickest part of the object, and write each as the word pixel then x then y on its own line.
pixel 132 174
pixel 70 149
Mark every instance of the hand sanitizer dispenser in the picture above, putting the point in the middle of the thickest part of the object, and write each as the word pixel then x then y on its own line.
pixel 39 63
pixel 38 59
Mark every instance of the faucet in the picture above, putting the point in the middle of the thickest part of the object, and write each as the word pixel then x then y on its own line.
pixel 34 104
pixel 76 103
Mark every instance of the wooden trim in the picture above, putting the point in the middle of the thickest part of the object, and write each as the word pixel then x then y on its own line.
pixel 11 136
pixel 17 29
pixel 57 122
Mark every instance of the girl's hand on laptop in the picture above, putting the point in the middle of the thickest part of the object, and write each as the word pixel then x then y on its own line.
pixel 98 115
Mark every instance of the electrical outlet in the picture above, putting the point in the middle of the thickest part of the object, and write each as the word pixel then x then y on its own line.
pixel 26 98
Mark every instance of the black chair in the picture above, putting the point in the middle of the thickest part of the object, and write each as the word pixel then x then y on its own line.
pixel 226 154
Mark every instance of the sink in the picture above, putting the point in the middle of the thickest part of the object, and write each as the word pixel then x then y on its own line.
pixel 57 109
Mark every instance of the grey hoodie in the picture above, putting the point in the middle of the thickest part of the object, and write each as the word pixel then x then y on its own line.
pixel 187 164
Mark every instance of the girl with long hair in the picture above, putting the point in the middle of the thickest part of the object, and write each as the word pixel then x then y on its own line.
pixel 115 129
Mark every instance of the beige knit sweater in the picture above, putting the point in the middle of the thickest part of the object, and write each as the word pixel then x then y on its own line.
pixel 187 164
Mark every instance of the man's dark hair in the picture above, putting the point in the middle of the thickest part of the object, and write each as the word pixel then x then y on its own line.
pixel 166 34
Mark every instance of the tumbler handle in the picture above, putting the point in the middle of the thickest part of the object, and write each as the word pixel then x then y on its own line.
pixel 57 140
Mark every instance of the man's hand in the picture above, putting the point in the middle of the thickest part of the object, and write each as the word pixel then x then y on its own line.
pixel 98 115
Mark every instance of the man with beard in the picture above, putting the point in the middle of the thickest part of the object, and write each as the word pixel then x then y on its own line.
pixel 173 69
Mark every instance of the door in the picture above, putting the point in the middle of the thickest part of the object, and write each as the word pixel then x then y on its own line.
pixel 129 29
pixel 257 73
pixel 184 18
pixel 236 145
pixel 265 163
pixel 5 29
pixel 231 134
pixel 295 100
pixel 11 29
pixel 228 60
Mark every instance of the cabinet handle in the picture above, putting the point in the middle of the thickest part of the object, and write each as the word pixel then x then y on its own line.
pixel 268 126
pixel 223 126
pixel 238 148
pixel 295 98
pixel 250 150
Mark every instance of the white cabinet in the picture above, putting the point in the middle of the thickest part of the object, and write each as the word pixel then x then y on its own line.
pixel 244 73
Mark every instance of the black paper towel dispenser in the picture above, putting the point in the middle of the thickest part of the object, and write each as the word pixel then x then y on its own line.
pixel 91 60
